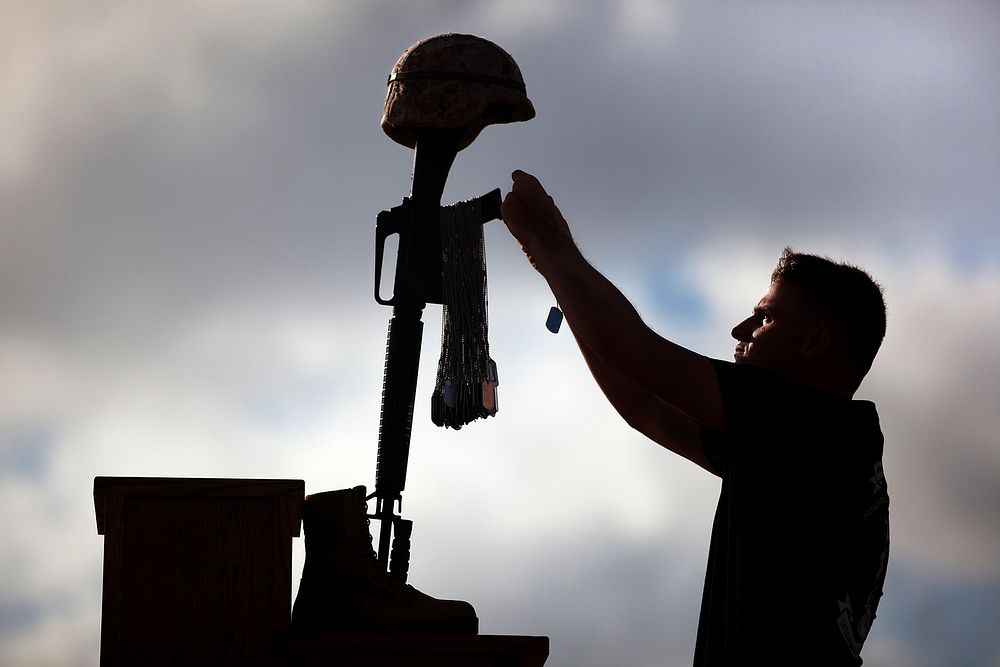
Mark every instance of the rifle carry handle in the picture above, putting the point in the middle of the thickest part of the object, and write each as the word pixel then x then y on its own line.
pixel 386 224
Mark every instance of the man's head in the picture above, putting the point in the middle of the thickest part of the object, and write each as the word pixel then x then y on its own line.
pixel 820 322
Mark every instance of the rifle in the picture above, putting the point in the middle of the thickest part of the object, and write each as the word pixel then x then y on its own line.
pixel 417 282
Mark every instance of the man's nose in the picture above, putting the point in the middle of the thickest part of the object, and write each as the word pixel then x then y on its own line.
pixel 741 331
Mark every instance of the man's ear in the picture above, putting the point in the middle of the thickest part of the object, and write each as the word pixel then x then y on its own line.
pixel 816 342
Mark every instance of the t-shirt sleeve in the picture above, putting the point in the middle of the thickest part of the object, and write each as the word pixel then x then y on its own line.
pixel 713 445
pixel 763 416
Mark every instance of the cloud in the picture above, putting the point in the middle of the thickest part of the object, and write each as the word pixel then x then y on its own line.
pixel 71 70
pixel 937 383
pixel 188 194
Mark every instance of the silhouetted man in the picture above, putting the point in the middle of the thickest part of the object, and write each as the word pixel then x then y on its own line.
pixel 800 540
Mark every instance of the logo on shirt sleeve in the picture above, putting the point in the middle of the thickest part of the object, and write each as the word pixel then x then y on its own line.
pixel 855 623
pixel 878 479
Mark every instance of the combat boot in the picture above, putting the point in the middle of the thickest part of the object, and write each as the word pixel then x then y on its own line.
pixel 344 588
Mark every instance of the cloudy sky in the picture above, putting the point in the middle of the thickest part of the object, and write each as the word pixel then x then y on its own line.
pixel 187 199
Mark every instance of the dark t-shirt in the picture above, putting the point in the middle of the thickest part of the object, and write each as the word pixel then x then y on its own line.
pixel 800 542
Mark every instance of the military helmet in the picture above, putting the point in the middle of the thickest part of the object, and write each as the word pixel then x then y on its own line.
pixel 453 80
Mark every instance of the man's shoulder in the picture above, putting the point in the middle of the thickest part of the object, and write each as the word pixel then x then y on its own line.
pixel 772 423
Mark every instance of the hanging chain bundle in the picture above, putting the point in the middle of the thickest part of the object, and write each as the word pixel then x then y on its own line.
pixel 465 389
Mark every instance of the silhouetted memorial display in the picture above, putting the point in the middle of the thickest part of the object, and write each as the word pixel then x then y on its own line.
pixel 199 571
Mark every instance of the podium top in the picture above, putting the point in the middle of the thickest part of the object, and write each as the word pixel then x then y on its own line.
pixel 290 489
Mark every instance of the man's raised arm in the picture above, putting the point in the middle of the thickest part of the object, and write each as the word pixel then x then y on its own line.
pixel 647 414
pixel 602 319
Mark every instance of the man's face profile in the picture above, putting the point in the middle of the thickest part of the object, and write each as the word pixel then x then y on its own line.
pixel 776 333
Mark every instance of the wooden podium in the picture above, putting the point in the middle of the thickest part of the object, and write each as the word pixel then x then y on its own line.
pixel 196 571
pixel 199 572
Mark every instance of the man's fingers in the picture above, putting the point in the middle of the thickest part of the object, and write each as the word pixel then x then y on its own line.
pixel 521 198
pixel 526 185
pixel 510 206
pixel 531 215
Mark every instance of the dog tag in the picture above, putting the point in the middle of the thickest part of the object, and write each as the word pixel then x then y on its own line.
pixel 450 395
pixel 489 398
pixel 554 320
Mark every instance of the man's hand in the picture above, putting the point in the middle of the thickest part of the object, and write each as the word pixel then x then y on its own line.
pixel 533 218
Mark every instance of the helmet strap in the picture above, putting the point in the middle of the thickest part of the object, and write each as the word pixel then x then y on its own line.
pixel 475 77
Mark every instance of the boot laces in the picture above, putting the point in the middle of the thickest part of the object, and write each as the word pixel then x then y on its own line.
pixel 369 552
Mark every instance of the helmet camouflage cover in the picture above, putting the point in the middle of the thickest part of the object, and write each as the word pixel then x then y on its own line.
pixel 453 80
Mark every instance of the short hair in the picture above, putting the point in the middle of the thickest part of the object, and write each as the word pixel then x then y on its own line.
pixel 845 295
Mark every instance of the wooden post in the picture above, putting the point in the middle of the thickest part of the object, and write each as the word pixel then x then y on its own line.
pixel 196 571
